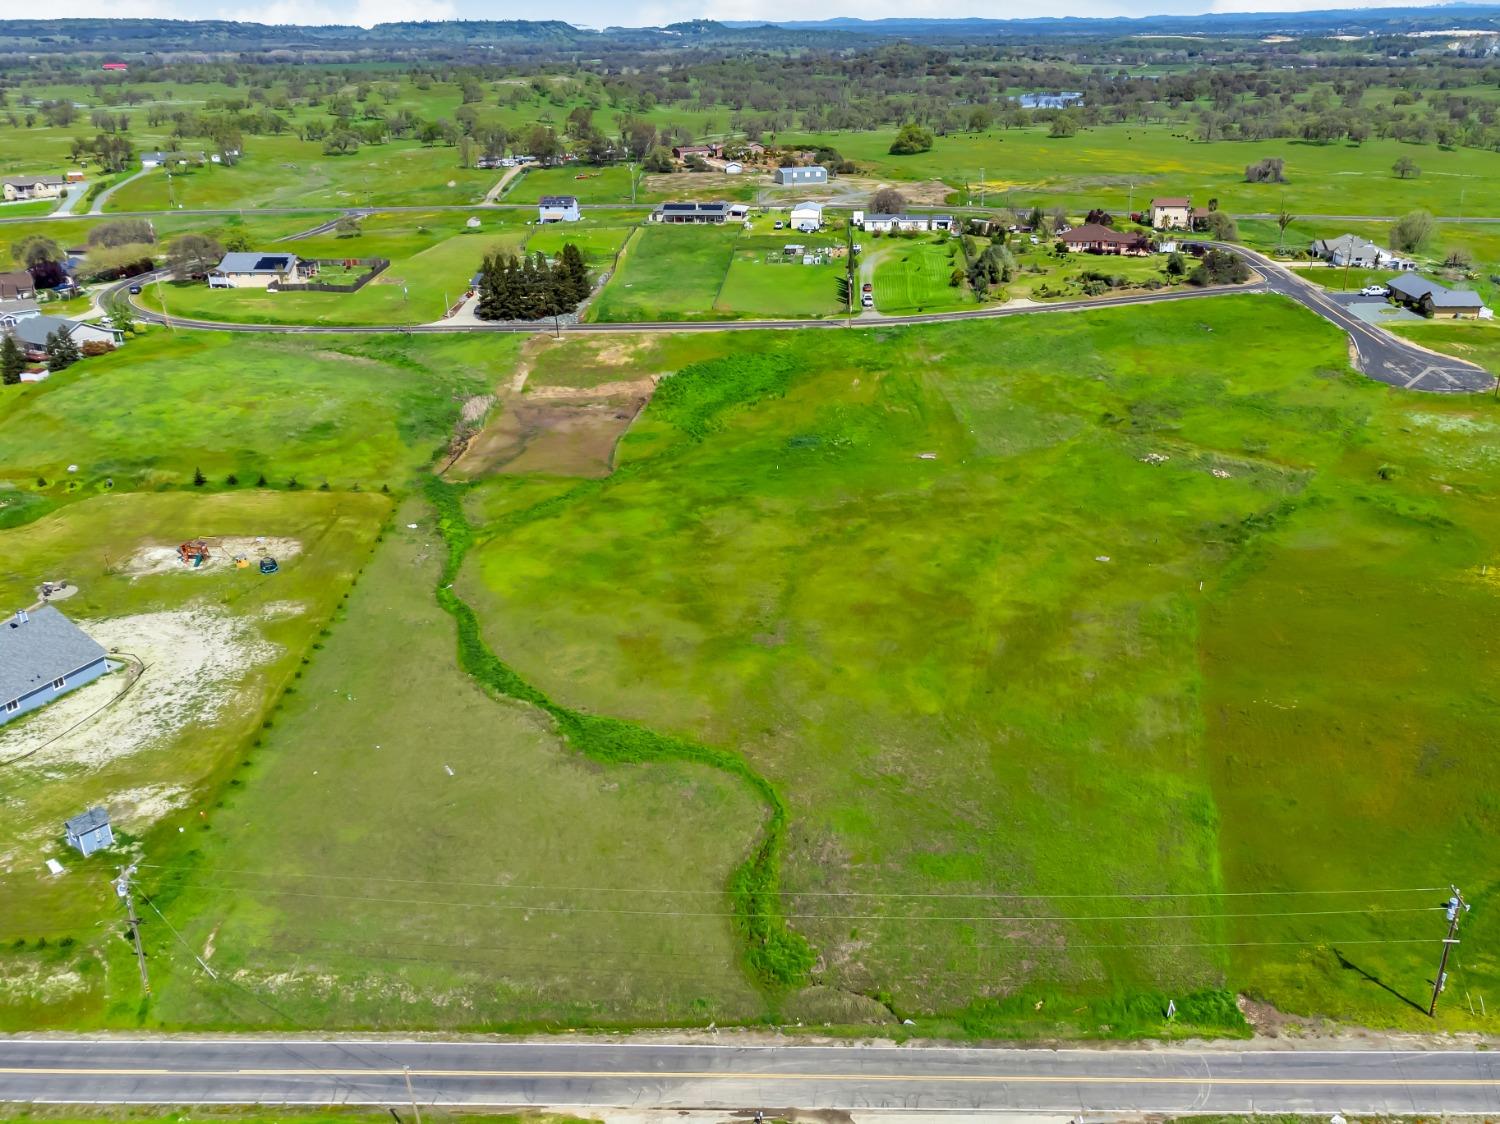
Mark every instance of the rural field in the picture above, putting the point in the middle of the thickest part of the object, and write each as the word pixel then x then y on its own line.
pixel 1100 674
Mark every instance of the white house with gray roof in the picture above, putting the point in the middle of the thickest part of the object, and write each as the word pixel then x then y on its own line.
pixel 44 655
pixel 89 831
pixel 1361 253
pixel 253 270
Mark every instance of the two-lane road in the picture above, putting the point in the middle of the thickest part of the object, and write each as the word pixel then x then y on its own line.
pixel 592 1075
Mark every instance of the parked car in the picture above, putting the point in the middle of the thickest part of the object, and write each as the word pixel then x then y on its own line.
pixel 867 301
pixel 868 288
pixel 1374 291
pixel 135 290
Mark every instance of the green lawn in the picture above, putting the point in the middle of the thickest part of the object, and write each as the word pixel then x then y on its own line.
pixel 669 273
pixel 914 275
pixel 597 185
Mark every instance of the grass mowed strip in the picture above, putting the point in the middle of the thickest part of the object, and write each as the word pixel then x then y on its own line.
pixel 916 276
pixel 356 410
pixel 996 565
pixel 512 883
pixel 202 654
pixel 668 272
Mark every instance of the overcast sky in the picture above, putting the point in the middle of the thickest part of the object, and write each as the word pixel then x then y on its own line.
pixel 600 13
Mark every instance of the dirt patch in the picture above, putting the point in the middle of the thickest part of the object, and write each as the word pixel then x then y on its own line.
pixel 927 193
pixel 632 388
pixel 154 558
pixel 192 662
pixel 475 407
pixel 565 435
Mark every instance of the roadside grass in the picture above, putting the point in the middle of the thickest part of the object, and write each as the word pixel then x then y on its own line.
pixel 994 671
pixel 1110 166
pixel 668 273
pixel 913 275
pixel 513 883
pixel 156 775
pixel 762 282
pixel 1476 341
pixel 351 410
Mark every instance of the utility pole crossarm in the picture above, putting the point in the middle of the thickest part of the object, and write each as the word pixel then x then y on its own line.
pixel 1456 907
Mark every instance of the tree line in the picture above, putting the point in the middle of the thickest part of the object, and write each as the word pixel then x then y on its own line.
pixel 530 286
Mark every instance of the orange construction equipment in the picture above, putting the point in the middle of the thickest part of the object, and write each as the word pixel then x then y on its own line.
pixel 193 553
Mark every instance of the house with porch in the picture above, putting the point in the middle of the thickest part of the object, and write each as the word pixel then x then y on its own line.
pixel 1096 238
pixel 1360 253
pixel 691 212
pixel 903 223
pixel 1435 301
pixel 15 188
pixel 253 270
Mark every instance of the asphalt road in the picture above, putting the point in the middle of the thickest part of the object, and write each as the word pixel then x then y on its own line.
pixel 728 1078
pixel 1380 355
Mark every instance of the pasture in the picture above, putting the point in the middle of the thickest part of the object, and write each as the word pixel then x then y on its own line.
pixel 915 275
pixel 668 273
pixel 763 281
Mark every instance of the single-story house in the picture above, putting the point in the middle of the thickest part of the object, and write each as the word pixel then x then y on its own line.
pixel 1172 213
pixel 118 66
pixel 557 208
pixel 1050 101
pixel 811 173
pixel 704 151
pixel 172 159
pixel 876 223
pixel 807 217
pixel 32 187
pixel 253 270
pixel 1095 238
pixel 44 655
pixel 31 333
pixel 1347 249
pixel 691 212
pixel 733 168
pixel 14 311
pixel 1431 299
pixel 16 285
pixel 89 832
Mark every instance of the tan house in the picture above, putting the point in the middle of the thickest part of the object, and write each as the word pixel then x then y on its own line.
pixel 253 271
pixel 32 187
pixel 1172 213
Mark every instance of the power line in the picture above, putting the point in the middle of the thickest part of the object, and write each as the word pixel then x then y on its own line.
pixel 997 895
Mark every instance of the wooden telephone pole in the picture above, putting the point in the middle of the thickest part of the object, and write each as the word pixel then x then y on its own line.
pixel 1457 907
pixel 122 888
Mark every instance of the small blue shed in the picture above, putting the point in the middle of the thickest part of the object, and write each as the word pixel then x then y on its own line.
pixel 89 832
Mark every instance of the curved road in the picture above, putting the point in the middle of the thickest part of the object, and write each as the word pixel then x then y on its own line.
pixel 1379 354
pixel 730 1078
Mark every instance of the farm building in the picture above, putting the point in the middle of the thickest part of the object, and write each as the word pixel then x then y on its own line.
pixel 1095 238
pixel 1434 300
pixel 807 217
pixel 1172 213
pixel 32 187
pixel 557 208
pixel 89 832
pixel 691 212
pixel 733 168
pixel 253 270
pixel 812 173
pixel 702 151
pixel 43 655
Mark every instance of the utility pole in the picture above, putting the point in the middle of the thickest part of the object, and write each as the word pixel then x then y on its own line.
pixel 122 889
pixel 406 1073
pixel 1457 907
pixel 981 187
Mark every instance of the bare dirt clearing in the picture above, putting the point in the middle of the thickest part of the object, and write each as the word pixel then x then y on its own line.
pixel 192 661
pixel 222 552
pixel 565 434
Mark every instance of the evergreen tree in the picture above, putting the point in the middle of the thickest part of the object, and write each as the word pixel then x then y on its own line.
pixel 12 361
pixel 62 352
pixel 576 273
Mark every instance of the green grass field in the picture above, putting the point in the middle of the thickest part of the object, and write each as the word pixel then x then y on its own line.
pixel 765 282
pixel 354 410
pixel 914 275
pixel 669 273
pixel 1113 166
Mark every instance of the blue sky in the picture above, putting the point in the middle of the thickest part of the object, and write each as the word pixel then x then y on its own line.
pixel 599 13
